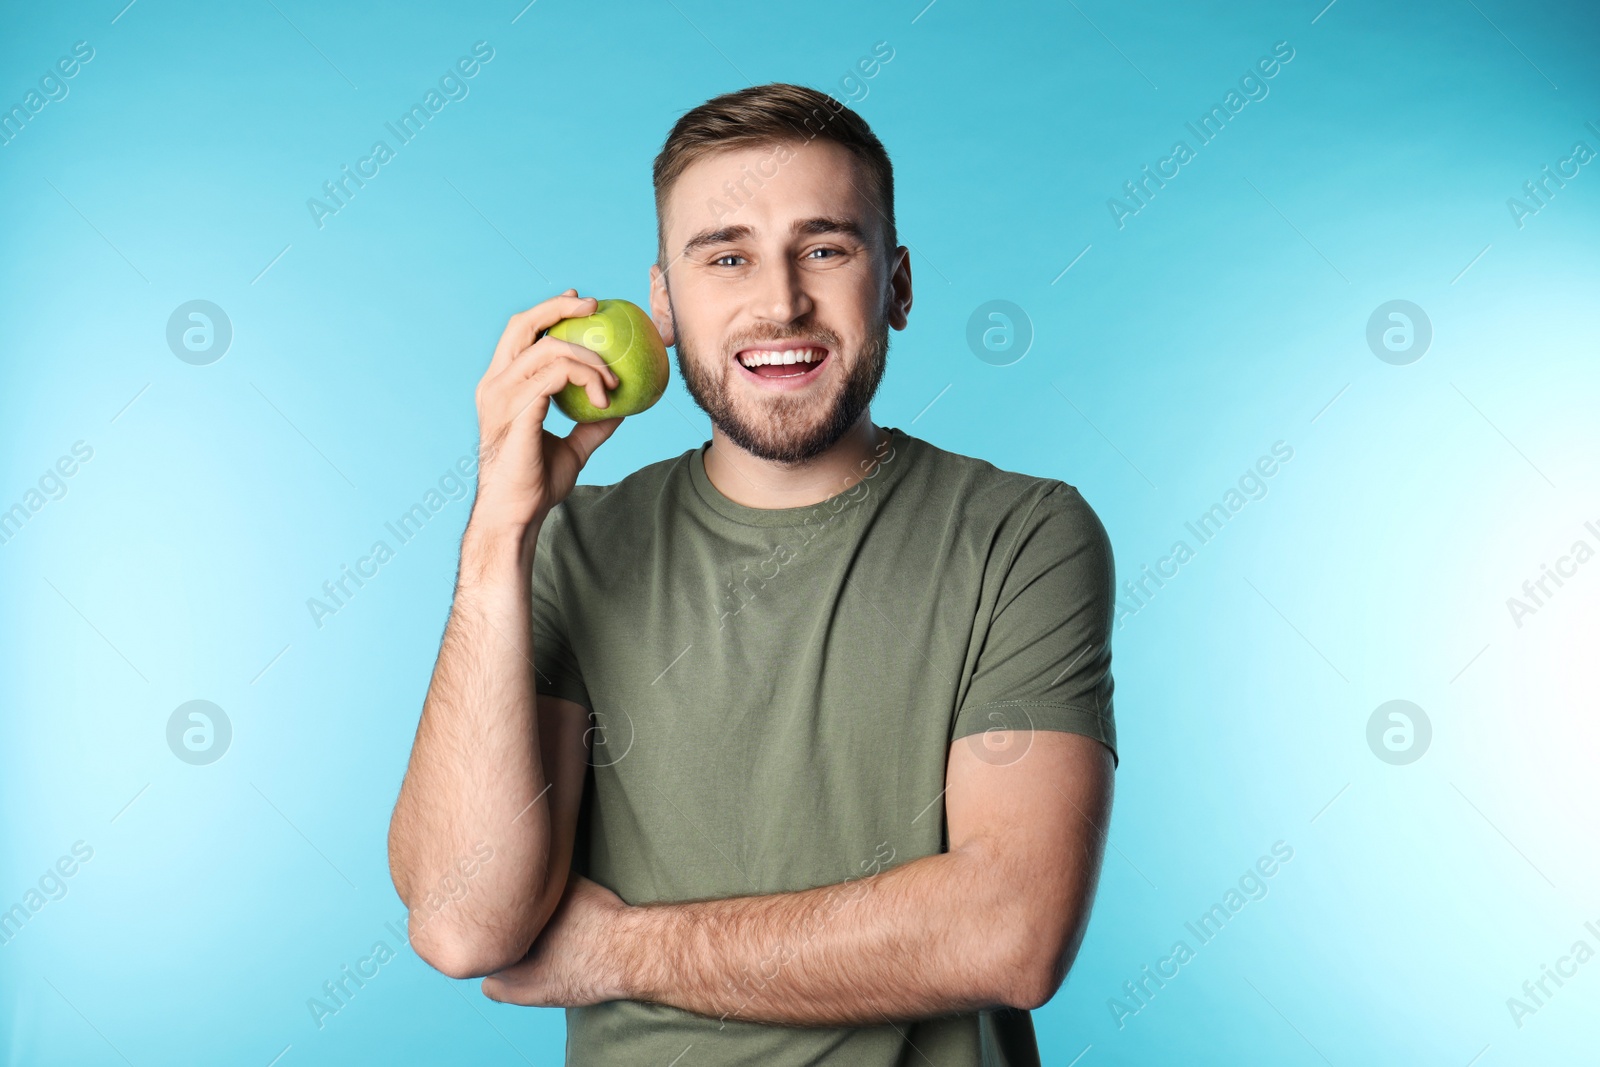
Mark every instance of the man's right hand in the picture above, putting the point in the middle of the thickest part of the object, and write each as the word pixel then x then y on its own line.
pixel 525 470
pixel 495 764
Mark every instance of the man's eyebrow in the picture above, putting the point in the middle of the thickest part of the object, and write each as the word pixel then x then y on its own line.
pixel 717 237
pixel 828 224
pixel 811 227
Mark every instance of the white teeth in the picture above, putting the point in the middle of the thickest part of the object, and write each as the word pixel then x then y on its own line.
pixel 792 355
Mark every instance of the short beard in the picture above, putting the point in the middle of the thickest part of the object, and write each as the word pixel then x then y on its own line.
pixel 784 435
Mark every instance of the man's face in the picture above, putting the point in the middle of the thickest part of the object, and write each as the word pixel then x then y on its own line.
pixel 772 250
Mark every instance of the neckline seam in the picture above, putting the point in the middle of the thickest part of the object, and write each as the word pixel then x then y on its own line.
pixel 713 500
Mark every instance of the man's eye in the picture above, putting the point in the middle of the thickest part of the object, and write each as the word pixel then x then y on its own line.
pixel 721 261
pixel 830 251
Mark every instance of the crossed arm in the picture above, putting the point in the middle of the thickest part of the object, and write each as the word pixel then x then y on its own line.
pixel 994 922
pixel 497 773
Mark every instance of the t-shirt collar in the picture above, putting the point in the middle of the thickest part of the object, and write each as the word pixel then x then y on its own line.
pixel 879 474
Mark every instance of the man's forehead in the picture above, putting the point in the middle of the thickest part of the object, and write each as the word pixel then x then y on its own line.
pixel 769 190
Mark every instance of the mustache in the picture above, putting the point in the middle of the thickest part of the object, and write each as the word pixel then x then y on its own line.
pixel 817 335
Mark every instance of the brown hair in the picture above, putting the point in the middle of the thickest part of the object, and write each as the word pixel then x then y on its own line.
pixel 776 113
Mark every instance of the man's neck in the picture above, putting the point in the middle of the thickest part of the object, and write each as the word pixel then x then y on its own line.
pixel 757 483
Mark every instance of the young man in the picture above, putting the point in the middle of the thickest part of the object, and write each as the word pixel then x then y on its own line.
pixel 797 747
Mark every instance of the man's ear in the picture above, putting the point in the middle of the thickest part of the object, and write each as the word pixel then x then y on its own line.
pixel 661 307
pixel 899 297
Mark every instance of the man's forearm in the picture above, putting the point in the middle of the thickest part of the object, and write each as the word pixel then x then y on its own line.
pixel 935 936
pixel 476 773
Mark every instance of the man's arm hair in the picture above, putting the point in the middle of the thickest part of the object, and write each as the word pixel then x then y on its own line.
pixel 994 922
pixel 492 764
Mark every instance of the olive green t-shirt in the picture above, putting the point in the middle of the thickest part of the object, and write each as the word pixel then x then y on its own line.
pixel 774 693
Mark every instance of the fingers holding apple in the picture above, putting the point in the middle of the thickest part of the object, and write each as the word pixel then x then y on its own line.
pixel 525 327
pixel 523 469
pixel 563 365
pixel 627 341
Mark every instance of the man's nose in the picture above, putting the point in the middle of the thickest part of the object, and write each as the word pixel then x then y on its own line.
pixel 781 296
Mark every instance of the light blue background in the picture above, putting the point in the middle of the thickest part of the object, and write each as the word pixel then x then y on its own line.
pixel 1228 314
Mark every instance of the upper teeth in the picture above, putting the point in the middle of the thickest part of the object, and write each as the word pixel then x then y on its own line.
pixel 757 358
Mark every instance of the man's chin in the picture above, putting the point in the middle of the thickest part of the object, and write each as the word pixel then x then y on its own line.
pixel 788 427
pixel 780 441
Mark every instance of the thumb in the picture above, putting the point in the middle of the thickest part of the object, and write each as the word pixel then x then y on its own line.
pixel 588 436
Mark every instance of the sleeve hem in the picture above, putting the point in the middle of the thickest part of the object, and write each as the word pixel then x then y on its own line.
pixel 1016 715
pixel 564 689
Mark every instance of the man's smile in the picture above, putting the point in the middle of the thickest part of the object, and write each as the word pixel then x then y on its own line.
pixel 782 365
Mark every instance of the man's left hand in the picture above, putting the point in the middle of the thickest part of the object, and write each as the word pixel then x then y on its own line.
pixel 572 963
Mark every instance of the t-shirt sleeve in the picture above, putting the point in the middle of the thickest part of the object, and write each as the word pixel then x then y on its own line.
pixel 1045 660
pixel 555 665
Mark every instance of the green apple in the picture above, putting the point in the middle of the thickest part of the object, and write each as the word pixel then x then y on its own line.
pixel 620 333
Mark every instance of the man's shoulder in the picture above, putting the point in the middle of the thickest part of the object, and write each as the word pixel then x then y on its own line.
pixel 623 499
pixel 981 489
